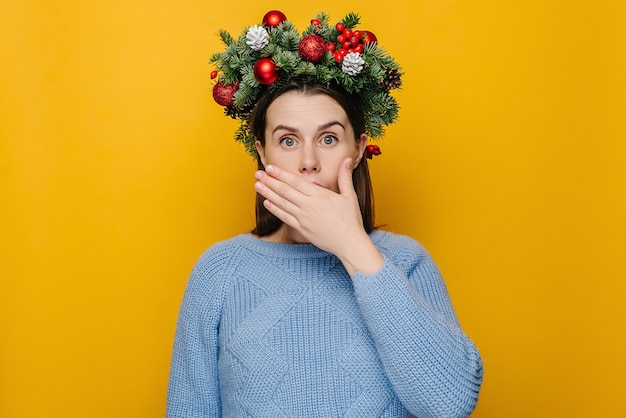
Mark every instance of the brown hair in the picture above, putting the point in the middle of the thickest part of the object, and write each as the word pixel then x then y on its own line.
pixel 266 222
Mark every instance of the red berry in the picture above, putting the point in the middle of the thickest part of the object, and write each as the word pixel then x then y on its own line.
pixel 347 32
pixel 340 27
pixel 337 56
pixel 358 48
pixel 346 45
pixel 213 74
pixel 371 150
pixel 330 46
pixel 341 39
pixel 357 34
pixel 316 22
pixel 354 41
pixel 343 52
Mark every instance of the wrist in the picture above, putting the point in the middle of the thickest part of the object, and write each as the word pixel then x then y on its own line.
pixel 361 256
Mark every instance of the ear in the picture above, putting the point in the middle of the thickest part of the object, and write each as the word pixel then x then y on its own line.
pixel 261 151
pixel 360 149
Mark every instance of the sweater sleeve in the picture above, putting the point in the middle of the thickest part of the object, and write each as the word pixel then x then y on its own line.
pixel 193 389
pixel 434 368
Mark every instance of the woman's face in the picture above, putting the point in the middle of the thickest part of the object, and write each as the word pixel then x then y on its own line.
pixel 309 135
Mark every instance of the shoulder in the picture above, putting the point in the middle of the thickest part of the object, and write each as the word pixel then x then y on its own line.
pixel 414 260
pixel 219 253
pixel 405 252
pixel 213 268
pixel 398 247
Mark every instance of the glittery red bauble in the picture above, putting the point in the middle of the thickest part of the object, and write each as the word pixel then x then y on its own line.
pixel 312 48
pixel 265 71
pixel 368 37
pixel 223 94
pixel 273 18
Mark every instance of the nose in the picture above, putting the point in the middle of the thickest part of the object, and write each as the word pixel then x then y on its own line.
pixel 309 162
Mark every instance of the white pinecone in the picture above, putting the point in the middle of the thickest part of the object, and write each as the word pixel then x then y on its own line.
pixel 352 63
pixel 257 37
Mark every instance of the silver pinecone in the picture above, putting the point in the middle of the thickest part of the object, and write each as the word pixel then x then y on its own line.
pixel 257 37
pixel 352 63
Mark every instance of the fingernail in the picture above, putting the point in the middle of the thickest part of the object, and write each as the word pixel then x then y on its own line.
pixel 258 186
pixel 269 168
pixel 258 175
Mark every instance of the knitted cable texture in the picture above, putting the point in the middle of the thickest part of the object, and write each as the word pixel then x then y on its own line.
pixel 279 330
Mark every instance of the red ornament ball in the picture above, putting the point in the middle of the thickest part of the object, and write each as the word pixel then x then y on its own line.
pixel 265 71
pixel 312 48
pixel 368 37
pixel 223 94
pixel 273 18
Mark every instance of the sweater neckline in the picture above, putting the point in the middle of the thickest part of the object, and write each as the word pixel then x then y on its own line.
pixel 291 250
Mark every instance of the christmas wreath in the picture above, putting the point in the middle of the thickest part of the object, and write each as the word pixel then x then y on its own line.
pixel 268 55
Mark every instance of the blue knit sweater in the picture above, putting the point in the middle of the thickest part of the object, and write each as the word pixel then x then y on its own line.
pixel 280 330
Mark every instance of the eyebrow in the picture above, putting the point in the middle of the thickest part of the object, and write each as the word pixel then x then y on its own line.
pixel 319 128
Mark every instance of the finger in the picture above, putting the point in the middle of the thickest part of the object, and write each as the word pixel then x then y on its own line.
pixel 295 181
pixel 344 179
pixel 286 185
pixel 281 198
pixel 281 214
pixel 275 189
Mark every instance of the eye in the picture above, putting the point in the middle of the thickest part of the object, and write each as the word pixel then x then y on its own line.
pixel 329 140
pixel 288 142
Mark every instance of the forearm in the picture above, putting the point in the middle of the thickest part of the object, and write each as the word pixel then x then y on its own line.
pixel 433 366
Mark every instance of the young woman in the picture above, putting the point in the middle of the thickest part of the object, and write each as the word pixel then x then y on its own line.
pixel 316 313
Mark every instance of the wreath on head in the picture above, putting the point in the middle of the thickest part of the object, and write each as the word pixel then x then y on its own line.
pixel 268 55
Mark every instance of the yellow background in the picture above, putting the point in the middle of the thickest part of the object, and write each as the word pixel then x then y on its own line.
pixel 117 170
